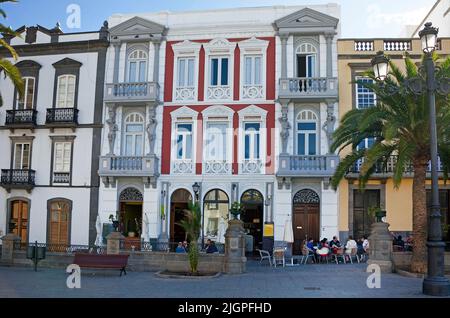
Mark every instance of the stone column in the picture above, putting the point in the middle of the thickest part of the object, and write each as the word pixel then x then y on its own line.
pixel 284 38
pixel 157 45
pixel 113 243
pixel 8 242
pixel 117 47
pixel 329 40
pixel 380 247
pixel 235 260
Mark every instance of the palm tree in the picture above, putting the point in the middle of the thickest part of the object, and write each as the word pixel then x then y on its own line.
pixel 192 225
pixel 399 125
pixel 5 65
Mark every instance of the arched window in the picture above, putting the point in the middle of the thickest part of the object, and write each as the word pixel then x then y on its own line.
pixel 215 215
pixel 59 221
pixel 137 66
pixel 134 135
pixel 306 60
pixel 65 97
pixel 307 132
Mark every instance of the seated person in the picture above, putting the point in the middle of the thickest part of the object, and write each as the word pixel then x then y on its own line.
pixel 324 243
pixel 180 248
pixel 399 242
pixel 365 244
pixel 359 247
pixel 186 246
pixel 335 242
pixel 211 247
pixel 351 244
pixel 310 246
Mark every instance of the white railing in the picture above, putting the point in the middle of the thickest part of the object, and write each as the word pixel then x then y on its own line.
pixel 219 92
pixel 182 167
pixel 363 45
pixel 185 93
pixel 252 91
pixel 252 166
pixel 397 45
pixel 216 167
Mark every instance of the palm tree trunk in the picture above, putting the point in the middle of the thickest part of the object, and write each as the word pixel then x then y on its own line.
pixel 420 217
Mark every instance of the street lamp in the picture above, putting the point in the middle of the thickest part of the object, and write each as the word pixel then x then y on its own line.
pixel 435 284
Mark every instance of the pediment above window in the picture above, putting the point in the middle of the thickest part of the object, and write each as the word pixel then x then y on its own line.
pixel 186 47
pixel 309 21
pixel 252 111
pixel 219 45
pixel 218 111
pixel 28 64
pixel 184 112
pixel 137 28
pixel 253 44
pixel 67 62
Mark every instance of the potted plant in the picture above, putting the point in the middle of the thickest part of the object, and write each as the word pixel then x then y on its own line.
pixel 377 213
pixel 192 224
pixel 114 222
pixel 236 209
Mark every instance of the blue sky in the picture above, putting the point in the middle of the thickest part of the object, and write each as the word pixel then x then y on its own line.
pixel 359 18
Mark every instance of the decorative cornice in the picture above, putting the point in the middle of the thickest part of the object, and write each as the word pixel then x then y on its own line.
pixel 186 47
pixel 219 45
pixel 252 110
pixel 253 44
pixel 67 62
pixel 184 112
pixel 218 111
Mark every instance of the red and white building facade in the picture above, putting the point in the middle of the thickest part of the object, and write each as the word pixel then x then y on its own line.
pixel 193 98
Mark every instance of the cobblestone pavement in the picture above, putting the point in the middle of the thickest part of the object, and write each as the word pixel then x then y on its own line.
pixel 324 280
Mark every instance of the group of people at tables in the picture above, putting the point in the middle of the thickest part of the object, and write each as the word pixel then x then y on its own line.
pixel 210 247
pixel 326 248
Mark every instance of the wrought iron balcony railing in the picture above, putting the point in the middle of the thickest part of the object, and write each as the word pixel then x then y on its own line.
pixel 21 118
pixel 18 178
pixel 62 116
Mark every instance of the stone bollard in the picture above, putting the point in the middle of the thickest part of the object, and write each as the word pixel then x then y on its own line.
pixel 113 243
pixel 235 260
pixel 380 248
pixel 8 242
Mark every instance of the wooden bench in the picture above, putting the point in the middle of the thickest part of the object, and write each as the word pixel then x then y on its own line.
pixel 102 261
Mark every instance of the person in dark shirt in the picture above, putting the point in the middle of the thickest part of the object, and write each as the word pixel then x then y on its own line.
pixel 211 247
pixel 335 242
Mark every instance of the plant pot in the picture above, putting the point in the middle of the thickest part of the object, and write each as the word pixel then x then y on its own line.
pixel 380 215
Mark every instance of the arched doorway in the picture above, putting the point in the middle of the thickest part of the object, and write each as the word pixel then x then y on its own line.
pixel 130 219
pixel 253 216
pixel 306 217
pixel 178 204
pixel 215 215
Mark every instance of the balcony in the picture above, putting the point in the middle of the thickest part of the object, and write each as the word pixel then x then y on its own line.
pixel 307 166
pixel 62 117
pixel 61 177
pixel 123 166
pixel 18 179
pixel 216 167
pixel 21 118
pixel 132 92
pixel 308 89
pixel 387 170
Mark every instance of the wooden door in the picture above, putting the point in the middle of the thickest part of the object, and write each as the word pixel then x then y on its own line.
pixel 362 201
pixel 306 222
pixel 59 223
pixel 19 216
pixel 177 214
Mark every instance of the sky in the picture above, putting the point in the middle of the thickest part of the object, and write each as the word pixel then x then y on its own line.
pixel 359 18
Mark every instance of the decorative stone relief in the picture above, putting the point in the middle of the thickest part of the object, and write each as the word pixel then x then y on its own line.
pixel 113 128
pixel 151 131
pixel 285 127
pixel 329 125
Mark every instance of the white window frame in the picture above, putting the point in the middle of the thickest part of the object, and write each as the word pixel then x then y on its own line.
pixel 314 52
pixel 252 139
pixel 133 135
pixel 253 114
pixel 55 163
pixel 186 49
pixel 26 80
pixel 22 146
pixel 183 115
pixel 359 77
pixel 138 64
pixel 307 132
pixel 253 47
pixel 184 143
pixel 219 48
pixel 67 76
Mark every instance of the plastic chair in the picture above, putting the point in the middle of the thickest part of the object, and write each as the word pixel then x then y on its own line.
pixel 339 253
pixel 307 253
pixel 265 255
pixel 353 254
pixel 278 256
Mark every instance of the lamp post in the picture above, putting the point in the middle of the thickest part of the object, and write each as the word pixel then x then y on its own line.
pixel 435 283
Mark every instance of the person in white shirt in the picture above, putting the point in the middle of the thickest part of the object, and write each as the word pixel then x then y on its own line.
pixel 351 244
pixel 365 244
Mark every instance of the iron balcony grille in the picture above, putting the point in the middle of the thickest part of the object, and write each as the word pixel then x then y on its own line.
pixel 62 115
pixel 21 116
pixel 18 177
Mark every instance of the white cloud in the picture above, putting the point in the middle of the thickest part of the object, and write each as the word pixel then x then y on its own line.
pixel 377 19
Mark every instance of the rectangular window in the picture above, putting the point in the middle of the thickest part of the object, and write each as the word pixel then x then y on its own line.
pixel 184 141
pixel 306 65
pixel 306 139
pixel 219 71
pixel 63 153
pixel 365 97
pixel 22 156
pixel 186 72
pixel 252 65
pixel 66 91
pixel 216 142
pixel 252 141
pixel 27 100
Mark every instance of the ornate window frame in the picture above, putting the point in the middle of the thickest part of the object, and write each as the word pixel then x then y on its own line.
pixel 318 129
pixel 316 45
pixel 55 139
pixel 130 49
pixel 28 68
pixel 185 49
pixel 252 114
pixel 251 47
pixel 219 47
pixel 183 115
pixel 63 67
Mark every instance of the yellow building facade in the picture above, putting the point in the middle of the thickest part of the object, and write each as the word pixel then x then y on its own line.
pixel 354 57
